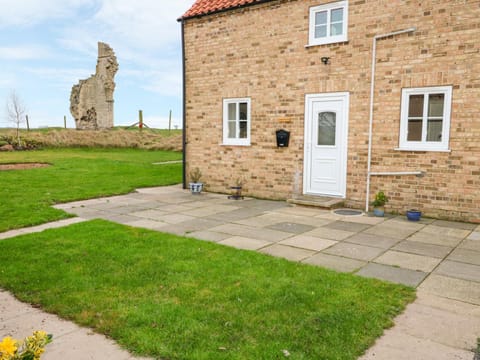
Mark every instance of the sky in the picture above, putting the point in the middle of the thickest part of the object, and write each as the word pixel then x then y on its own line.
pixel 47 46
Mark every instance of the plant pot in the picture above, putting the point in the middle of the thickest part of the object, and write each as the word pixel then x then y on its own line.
pixel 379 211
pixel 237 195
pixel 414 215
pixel 196 188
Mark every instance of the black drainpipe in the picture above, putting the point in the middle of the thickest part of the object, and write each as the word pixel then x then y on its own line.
pixel 184 115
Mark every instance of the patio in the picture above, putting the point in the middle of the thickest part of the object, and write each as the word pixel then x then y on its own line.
pixel 440 258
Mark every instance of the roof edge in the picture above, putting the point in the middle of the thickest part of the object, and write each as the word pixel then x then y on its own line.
pixel 183 18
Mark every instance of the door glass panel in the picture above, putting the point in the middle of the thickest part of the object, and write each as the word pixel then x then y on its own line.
pixel 414 130
pixel 434 130
pixel 232 111
pixel 415 106
pixel 327 122
pixel 435 104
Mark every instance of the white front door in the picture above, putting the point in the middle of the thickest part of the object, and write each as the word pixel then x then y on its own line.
pixel 326 139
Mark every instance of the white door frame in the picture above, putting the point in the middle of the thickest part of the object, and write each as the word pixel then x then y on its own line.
pixel 326 97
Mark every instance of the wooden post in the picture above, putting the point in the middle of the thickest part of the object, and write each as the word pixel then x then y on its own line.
pixel 65 121
pixel 170 121
pixel 28 125
pixel 140 119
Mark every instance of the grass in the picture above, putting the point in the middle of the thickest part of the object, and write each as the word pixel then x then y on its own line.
pixel 27 195
pixel 170 297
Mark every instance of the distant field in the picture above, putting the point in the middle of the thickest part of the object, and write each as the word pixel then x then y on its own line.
pixel 150 139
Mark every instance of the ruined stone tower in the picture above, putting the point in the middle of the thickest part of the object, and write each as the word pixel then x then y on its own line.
pixel 91 100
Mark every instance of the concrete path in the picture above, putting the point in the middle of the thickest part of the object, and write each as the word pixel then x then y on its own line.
pixel 440 258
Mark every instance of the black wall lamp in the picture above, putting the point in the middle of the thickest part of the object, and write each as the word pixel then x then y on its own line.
pixel 325 60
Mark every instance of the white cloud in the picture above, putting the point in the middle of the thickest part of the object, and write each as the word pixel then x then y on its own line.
pixel 31 12
pixel 24 52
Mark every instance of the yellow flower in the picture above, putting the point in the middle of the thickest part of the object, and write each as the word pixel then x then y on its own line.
pixel 8 347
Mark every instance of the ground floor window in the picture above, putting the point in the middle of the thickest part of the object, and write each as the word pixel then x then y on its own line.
pixel 236 121
pixel 425 118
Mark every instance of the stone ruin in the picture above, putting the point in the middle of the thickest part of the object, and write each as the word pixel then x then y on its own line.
pixel 91 100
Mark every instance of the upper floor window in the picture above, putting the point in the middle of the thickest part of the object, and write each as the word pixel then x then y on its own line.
pixel 425 118
pixel 328 23
pixel 236 121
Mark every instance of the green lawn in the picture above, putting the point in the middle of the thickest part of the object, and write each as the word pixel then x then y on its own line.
pixel 170 297
pixel 166 296
pixel 27 195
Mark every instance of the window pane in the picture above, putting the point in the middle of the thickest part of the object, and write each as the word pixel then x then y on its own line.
pixel 232 130
pixel 414 130
pixel 243 111
pixel 243 129
pixel 232 111
pixel 336 29
pixel 435 104
pixel 320 31
pixel 434 130
pixel 415 106
pixel 321 18
pixel 326 128
pixel 337 15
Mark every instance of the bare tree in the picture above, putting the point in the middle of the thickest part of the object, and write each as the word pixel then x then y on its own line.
pixel 15 111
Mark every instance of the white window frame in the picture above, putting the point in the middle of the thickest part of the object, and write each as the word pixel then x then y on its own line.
pixel 329 39
pixel 425 145
pixel 236 141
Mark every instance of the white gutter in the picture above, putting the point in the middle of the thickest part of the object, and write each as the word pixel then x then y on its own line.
pixel 372 88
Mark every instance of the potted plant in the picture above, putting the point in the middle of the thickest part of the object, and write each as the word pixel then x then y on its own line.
pixel 379 204
pixel 414 215
pixel 237 190
pixel 196 186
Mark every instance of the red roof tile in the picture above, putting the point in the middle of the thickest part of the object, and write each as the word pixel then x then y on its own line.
pixel 204 7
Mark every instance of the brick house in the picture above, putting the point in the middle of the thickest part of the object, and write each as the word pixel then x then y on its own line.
pixel 376 95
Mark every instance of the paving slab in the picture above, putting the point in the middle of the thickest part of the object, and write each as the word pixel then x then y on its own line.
pixel 396 345
pixel 420 248
pixel 459 270
pixel 264 205
pixel 475 235
pixel 209 210
pixel 408 261
pixel 291 227
pixel 452 288
pixel 331 234
pixel 445 231
pixel 336 263
pixel 454 224
pixel 194 225
pixel 439 325
pixel 471 245
pixel 363 219
pixel 252 232
pixel 442 303
pixel 465 255
pixel 382 242
pixel 308 242
pixel 354 251
pixel 244 243
pixel 239 214
pixel 435 239
pixel 176 218
pixel 392 274
pixel 287 252
pixel 208 235
pixel 395 229
pixel 147 224
pixel 347 226
pixel 151 214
